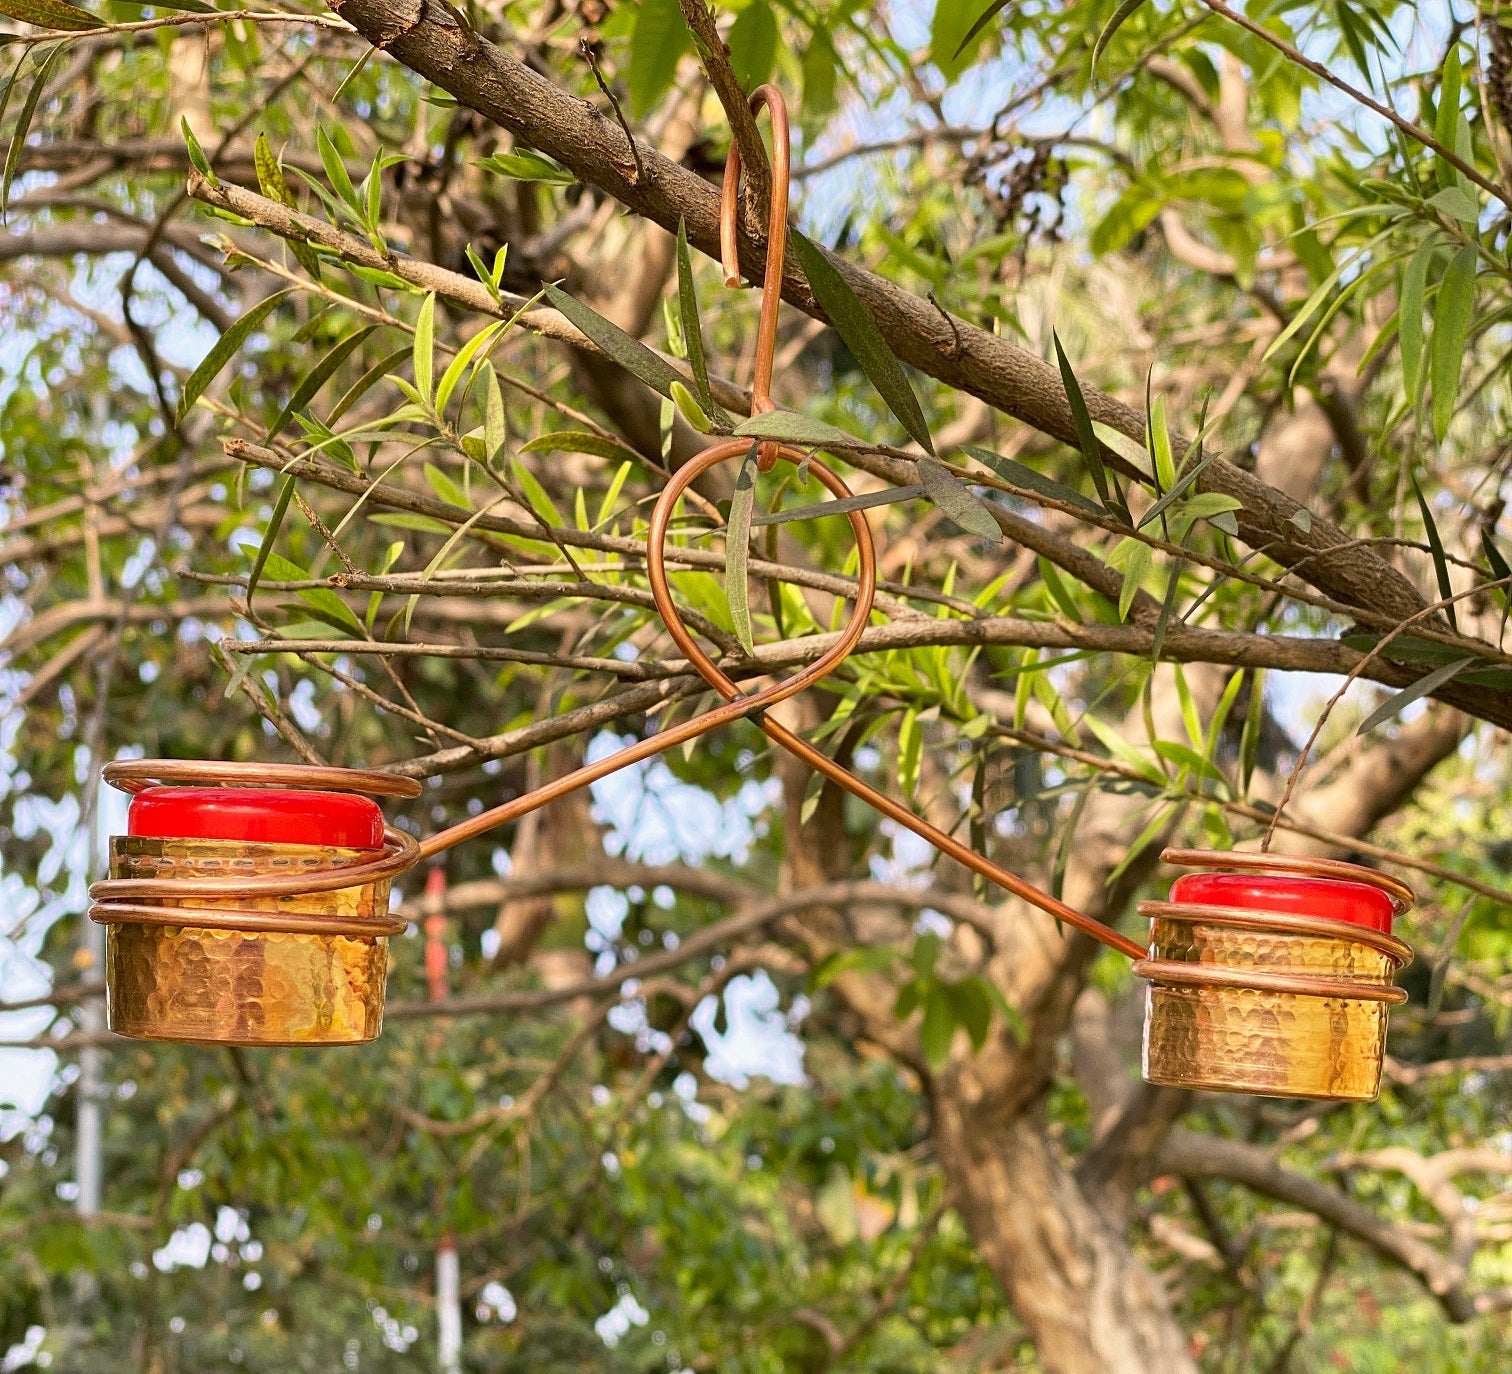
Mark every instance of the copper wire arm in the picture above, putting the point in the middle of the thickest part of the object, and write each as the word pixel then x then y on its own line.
pixel 729 250
pixel 146 900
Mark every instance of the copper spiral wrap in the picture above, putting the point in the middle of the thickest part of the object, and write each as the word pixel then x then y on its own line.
pixel 147 901
pixel 1173 972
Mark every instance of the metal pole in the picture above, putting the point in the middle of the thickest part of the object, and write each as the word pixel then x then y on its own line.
pixel 448 1269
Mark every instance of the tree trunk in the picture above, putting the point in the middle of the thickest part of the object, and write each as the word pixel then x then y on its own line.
pixel 1090 1305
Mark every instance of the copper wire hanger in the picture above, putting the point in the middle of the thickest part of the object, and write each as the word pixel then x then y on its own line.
pixel 142 900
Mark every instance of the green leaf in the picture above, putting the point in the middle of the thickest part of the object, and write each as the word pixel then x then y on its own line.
pixel 687 301
pixel 688 407
pixel 265 548
pixel 863 338
pixel 659 39
pixel 1456 203
pixel 1421 688
pixel 494 428
pixel 630 353
pixel 1436 549
pixel 887 497
pixel 360 387
pixel 577 441
pixel 952 41
pixel 1158 444
pixel 225 346
pixel 1133 556
pixel 793 428
pixel 1030 480
pixel 1448 113
pixel 335 170
pixel 270 180
pixel 452 377
pixel 424 352
pixel 956 499
pixel 738 549
pixel 1500 571
pixel 1254 723
pixel 752 41
pixel 51 14
pixel 23 122
pixel 1129 214
pixel 525 164
pixel 1451 328
pixel 317 377
pixel 1113 25
pixel 1410 319
pixel 1091 449
pixel 973 1008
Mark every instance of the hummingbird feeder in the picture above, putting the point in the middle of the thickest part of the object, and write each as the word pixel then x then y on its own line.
pixel 248 903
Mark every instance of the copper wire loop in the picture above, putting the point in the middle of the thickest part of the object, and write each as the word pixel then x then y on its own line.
pixel 141 901
pixel 1172 972
pixel 1299 865
pixel 1281 923
pixel 136 775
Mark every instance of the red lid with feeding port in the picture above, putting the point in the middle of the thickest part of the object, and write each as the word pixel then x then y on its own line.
pixel 257 815
pixel 1331 899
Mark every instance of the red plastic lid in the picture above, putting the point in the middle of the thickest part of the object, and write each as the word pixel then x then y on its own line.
pixel 257 814
pixel 1333 899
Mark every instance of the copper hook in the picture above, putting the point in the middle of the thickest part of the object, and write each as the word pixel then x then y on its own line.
pixel 729 249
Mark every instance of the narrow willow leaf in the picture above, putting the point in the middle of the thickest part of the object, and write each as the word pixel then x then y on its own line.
pixel 51 14
pixel 978 24
pixel 889 496
pixel 1450 84
pixel 452 377
pixel 1451 327
pixel 275 522
pixel 687 300
pixel 270 179
pixel 578 441
pixel 525 164
pixel 1409 319
pixel 1421 688
pixel 352 75
pixel 225 346
pixel 737 550
pixel 23 123
pixel 494 428
pixel 317 377
pixel 1436 549
pixel 1087 437
pixel 360 387
pixel 793 428
pixel 1158 442
pixel 956 499
pixel 9 88
pixel 1030 480
pixel 1167 609
pixel 335 170
pixel 424 351
pixel 1115 22
pixel 1249 740
pixel 630 353
pixel 863 338
pixel 1500 572
pixel 688 407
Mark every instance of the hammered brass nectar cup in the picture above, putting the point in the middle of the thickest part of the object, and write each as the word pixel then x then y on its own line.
pixel 1269 993
pixel 244 987
pixel 249 915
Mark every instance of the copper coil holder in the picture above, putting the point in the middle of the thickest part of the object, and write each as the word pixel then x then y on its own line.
pixel 1268 1002
pixel 257 944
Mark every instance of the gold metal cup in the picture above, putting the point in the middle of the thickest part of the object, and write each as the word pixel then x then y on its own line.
pixel 1268 1003
pixel 246 987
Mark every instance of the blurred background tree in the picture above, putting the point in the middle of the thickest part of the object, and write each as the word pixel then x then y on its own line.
pixel 300 463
